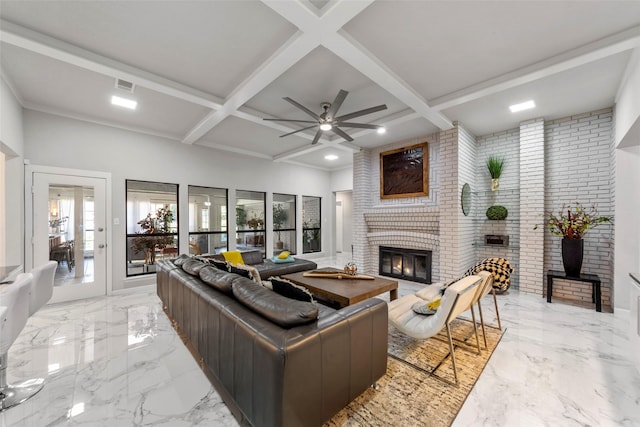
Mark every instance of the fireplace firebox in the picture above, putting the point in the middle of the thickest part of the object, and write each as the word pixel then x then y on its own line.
pixel 407 264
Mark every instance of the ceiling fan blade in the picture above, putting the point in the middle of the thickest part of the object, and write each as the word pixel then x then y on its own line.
pixel 303 108
pixel 361 113
pixel 341 133
pixel 299 130
pixel 317 137
pixel 337 103
pixel 357 125
pixel 291 120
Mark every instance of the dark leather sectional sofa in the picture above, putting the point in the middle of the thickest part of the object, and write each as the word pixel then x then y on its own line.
pixel 270 360
pixel 267 268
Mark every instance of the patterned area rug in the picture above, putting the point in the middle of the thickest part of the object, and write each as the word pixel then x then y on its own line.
pixel 409 395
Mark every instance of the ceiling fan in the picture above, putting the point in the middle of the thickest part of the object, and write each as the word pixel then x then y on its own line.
pixel 327 120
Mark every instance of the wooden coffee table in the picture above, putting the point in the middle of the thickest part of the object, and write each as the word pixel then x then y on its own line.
pixel 344 292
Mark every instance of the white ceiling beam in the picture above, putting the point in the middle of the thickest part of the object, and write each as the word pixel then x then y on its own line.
pixel 298 46
pixel 611 45
pixel 291 52
pixel 356 55
pixel 53 48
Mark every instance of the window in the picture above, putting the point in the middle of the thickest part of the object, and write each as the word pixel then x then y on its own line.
pixel 152 224
pixel 284 223
pixel 207 220
pixel 311 231
pixel 250 231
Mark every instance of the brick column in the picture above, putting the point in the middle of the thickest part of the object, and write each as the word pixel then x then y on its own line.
pixel 531 206
pixel 362 190
pixel 449 205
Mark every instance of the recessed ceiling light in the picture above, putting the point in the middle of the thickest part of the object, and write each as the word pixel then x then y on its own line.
pixel 123 102
pixel 331 157
pixel 381 129
pixel 325 126
pixel 522 106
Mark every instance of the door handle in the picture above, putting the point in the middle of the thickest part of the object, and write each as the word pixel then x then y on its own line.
pixel 100 229
pixel 101 246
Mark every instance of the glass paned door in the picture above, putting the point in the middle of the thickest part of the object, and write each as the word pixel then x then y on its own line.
pixel 69 228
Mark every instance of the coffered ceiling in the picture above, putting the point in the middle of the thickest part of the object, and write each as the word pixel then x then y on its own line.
pixel 208 72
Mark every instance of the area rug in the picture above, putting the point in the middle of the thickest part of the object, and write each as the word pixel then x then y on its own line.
pixel 408 394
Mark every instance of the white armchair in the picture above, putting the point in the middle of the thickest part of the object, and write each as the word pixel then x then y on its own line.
pixel 457 299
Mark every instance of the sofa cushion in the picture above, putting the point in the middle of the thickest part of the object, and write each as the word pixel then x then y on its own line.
pixel 217 279
pixel 252 257
pixel 181 259
pixel 290 290
pixel 193 266
pixel 276 308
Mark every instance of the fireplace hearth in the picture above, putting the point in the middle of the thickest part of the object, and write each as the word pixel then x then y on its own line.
pixel 406 264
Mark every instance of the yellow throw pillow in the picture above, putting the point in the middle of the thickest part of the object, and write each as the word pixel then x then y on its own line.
pixel 434 304
pixel 234 257
pixel 284 254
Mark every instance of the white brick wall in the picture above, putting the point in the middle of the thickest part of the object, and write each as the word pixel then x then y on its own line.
pixel 449 204
pixel 578 168
pixel 532 185
pixel 385 220
pixel 503 144
pixel 467 159
pixel 362 199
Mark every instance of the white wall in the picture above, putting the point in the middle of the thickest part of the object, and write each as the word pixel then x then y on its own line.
pixel 57 141
pixel 628 99
pixel 627 181
pixel 627 223
pixel 12 145
pixel 342 180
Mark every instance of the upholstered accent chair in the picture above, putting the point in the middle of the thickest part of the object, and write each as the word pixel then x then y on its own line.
pixel 457 299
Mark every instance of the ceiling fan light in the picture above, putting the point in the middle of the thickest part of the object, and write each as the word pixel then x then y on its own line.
pixel 381 130
pixel 325 126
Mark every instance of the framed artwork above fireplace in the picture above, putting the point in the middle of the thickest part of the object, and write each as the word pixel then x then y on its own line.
pixel 404 172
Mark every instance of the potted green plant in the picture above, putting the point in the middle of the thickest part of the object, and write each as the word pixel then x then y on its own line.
pixel 495 165
pixel 146 241
pixel 572 223
pixel 241 220
pixel 280 216
pixel 497 213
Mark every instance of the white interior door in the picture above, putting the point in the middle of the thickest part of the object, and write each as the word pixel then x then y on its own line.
pixel 69 226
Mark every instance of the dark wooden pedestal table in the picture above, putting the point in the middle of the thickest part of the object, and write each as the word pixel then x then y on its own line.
pixel 346 291
pixel 590 278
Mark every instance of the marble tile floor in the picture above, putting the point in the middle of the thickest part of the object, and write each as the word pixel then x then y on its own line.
pixel 116 361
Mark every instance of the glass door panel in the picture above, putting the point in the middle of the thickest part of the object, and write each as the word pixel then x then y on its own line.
pixel 69 218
